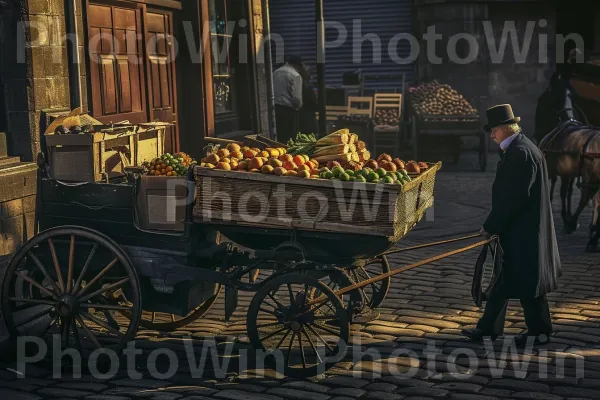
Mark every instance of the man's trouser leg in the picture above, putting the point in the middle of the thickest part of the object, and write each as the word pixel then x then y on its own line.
pixel 492 321
pixel 286 123
pixel 537 315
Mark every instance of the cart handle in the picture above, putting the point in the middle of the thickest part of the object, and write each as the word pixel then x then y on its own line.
pixel 422 246
pixel 402 269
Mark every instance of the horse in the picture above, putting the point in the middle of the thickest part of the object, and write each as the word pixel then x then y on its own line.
pixel 555 111
pixel 572 151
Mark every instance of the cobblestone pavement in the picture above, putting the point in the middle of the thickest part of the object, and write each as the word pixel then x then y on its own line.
pixel 424 310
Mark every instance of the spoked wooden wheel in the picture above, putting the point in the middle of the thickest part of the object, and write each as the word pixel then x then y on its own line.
pixel 299 339
pixel 64 284
pixel 374 293
pixel 165 322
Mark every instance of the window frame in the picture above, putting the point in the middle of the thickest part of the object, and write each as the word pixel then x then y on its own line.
pixel 245 119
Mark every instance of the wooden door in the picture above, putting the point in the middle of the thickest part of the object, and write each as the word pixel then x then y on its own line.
pixel 117 62
pixel 161 73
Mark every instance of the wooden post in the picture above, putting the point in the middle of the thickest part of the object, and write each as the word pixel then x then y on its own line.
pixel 321 67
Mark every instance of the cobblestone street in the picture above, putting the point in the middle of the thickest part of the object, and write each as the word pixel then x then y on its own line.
pixel 425 310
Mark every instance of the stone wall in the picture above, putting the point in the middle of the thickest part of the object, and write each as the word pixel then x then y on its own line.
pixel 35 76
pixel 520 84
pixel 485 81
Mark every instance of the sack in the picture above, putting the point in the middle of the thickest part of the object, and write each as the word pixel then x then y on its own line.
pixel 477 292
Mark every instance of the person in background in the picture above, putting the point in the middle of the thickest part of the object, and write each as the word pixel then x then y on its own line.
pixel 287 82
pixel 310 104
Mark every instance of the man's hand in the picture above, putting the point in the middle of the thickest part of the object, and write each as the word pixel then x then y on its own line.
pixel 483 233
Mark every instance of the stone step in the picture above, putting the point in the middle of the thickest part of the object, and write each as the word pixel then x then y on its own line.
pixel 3 149
pixel 6 161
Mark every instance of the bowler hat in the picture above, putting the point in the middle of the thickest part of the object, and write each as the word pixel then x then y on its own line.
pixel 500 115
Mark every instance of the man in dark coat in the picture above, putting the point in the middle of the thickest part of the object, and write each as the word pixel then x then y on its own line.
pixel 521 217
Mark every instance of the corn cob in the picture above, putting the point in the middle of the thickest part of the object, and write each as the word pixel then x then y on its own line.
pixel 334 157
pixel 360 145
pixel 364 156
pixel 340 137
pixel 351 148
pixel 331 150
pixel 354 157
pixel 353 138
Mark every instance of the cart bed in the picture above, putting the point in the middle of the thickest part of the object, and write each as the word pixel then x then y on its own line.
pixel 318 214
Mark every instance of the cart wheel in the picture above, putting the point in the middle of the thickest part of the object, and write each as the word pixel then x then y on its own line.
pixel 375 292
pixel 299 339
pixel 164 322
pixel 68 281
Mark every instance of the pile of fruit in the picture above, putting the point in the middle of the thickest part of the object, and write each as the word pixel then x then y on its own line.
pixel 340 155
pixel 366 174
pixel 387 116
pixel 268 161
pixel 434 98
pixel 74 130
pixel 169 165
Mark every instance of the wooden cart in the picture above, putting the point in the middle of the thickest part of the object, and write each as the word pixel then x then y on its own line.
pixel 93 276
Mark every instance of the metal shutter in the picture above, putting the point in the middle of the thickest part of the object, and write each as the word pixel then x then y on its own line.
pixel 294 21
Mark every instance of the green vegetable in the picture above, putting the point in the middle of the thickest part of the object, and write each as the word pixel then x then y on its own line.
pixel 349 172
pixel 303 144
pixel 387 179
pixel 359 178
pixel 344 177
pixel 381 172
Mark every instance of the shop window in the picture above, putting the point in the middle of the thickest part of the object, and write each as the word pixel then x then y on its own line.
pixel 232 74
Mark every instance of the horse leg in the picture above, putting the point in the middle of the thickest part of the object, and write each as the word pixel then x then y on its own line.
pixel 570 195
pixel 553 179
pixel 594 229
pixel 586 196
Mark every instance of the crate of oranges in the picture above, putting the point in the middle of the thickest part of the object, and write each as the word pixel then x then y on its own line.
pixel 169 165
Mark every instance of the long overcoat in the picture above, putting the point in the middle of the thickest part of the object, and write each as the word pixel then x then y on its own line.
pixel 521 216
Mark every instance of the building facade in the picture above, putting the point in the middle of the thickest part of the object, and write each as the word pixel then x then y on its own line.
pixel 193 62
pixel 521 74
pixel 359 36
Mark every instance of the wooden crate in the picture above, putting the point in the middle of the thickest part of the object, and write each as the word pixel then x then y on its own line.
pixel 161 203
pixel 148 144
pixel 90 157
pixel 18 188
pixel 267 201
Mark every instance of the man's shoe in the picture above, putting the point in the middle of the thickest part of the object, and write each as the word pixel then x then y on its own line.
pixel 477 334
pixel 536 340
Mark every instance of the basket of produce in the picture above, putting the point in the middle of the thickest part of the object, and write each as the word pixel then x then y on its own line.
pixel 169 165
pixel 440 106
pixel 325 185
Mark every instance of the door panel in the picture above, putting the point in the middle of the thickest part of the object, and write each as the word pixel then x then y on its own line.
pixel 161 76
pixel 117 80
pixel 131 81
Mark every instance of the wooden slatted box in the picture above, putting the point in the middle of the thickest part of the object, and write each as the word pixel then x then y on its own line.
pixel 90 157
pixel 254 199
